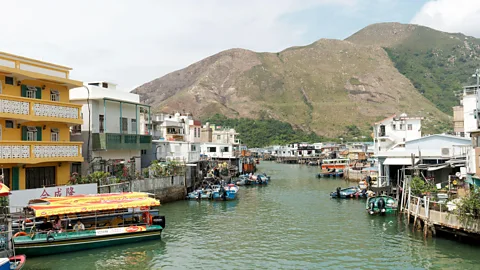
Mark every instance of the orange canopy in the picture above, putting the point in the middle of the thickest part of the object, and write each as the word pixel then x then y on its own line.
pixel 90 197
pixel 90 203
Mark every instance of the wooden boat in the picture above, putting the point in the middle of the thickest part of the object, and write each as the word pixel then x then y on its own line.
pixel 102 216
pixel 382 205
pixel 348 193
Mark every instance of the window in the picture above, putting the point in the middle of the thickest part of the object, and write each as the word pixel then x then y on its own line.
pixel 31 92
pixel 144 151
pixel 77 129
pixel 211 149
pixel 409 126
pixel 101 119
pixel 39 177
pixel 124 125
pixel 54 95
pixel 105 85
pixel 193 148
pixel 219 137
pixel 1 87
pixel 394 126
pixel 77 168
pixel 31 134
pixel 54 135
pixel 9 80
pixel 401 126
pixel 225 149
pixel 9 124
pixel 134 125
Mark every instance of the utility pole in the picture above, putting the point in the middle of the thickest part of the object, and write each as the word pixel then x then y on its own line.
pixel 477 74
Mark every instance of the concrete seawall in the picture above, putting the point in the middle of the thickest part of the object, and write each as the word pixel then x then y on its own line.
pixel 166 189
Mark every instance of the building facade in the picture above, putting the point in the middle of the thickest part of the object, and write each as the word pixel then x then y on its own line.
pixel 395 130
pixel 35 118
pixel 116 127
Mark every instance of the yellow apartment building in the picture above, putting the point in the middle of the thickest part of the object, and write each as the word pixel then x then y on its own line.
pixel 35 121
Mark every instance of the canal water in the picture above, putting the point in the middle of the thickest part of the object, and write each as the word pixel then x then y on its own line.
pixel 290 224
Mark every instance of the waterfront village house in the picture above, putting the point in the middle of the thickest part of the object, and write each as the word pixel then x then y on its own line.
pixel 395 131
pixel 115 128
pixel 176 137
pixel 217 150
pixel 438 156
pixel 223 135
pixel 466 116
pixel 35 116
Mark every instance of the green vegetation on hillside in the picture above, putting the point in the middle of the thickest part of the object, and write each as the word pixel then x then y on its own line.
pixel 437 64
pixel 264 132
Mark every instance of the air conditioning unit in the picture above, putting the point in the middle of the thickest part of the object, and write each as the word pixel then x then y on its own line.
pixel 445 151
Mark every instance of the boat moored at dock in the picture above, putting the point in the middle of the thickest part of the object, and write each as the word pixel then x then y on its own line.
pixel 89 221
pixel 382 205
pixel 225 193
pixel 349 193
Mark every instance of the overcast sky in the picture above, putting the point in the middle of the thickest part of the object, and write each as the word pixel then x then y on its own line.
pixel 132 42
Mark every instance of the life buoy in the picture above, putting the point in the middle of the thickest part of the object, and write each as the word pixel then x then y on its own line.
pixel 19 234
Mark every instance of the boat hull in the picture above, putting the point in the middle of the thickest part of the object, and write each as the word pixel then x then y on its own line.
pixel 76 244
pixel 390 206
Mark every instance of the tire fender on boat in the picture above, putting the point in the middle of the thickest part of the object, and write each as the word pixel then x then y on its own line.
pixel 50 238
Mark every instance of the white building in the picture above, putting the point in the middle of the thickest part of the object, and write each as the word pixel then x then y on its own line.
pixel 180 151
pixel 466 116
pixel 217 150
pixel 395 130
pixel 115 129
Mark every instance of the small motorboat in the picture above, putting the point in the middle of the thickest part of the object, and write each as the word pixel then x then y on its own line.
pixel 225 193
pixel 382 205
pixel 244 180
pixel 332 173
pixel 13 263
pixel 202 194
pixel 347 193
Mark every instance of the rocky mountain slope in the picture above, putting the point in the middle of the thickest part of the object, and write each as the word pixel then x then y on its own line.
pixel 324 87
pixel 438 64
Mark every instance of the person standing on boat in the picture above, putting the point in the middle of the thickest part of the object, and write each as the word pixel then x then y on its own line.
pixel 369 181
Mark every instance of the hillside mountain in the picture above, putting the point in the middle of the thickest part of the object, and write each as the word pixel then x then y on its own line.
pixel 327 87
pixel 437 63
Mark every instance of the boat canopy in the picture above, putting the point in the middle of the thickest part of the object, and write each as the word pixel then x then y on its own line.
pixel 90 203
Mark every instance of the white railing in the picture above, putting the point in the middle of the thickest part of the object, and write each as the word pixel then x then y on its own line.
pixel 55 111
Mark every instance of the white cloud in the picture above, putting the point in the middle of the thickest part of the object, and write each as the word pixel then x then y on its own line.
pixel 132 42
pixel 451 16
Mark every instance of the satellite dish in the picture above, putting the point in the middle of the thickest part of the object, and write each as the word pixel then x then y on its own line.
pixel 459 175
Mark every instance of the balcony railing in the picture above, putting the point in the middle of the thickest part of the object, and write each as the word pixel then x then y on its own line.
pixel 117 141
pixel 30 109
pixel 31 152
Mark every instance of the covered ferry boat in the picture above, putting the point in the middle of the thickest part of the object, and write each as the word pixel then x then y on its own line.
pixel 88 221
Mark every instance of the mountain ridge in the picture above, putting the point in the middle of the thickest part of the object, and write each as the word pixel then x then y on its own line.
pixel 323 87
